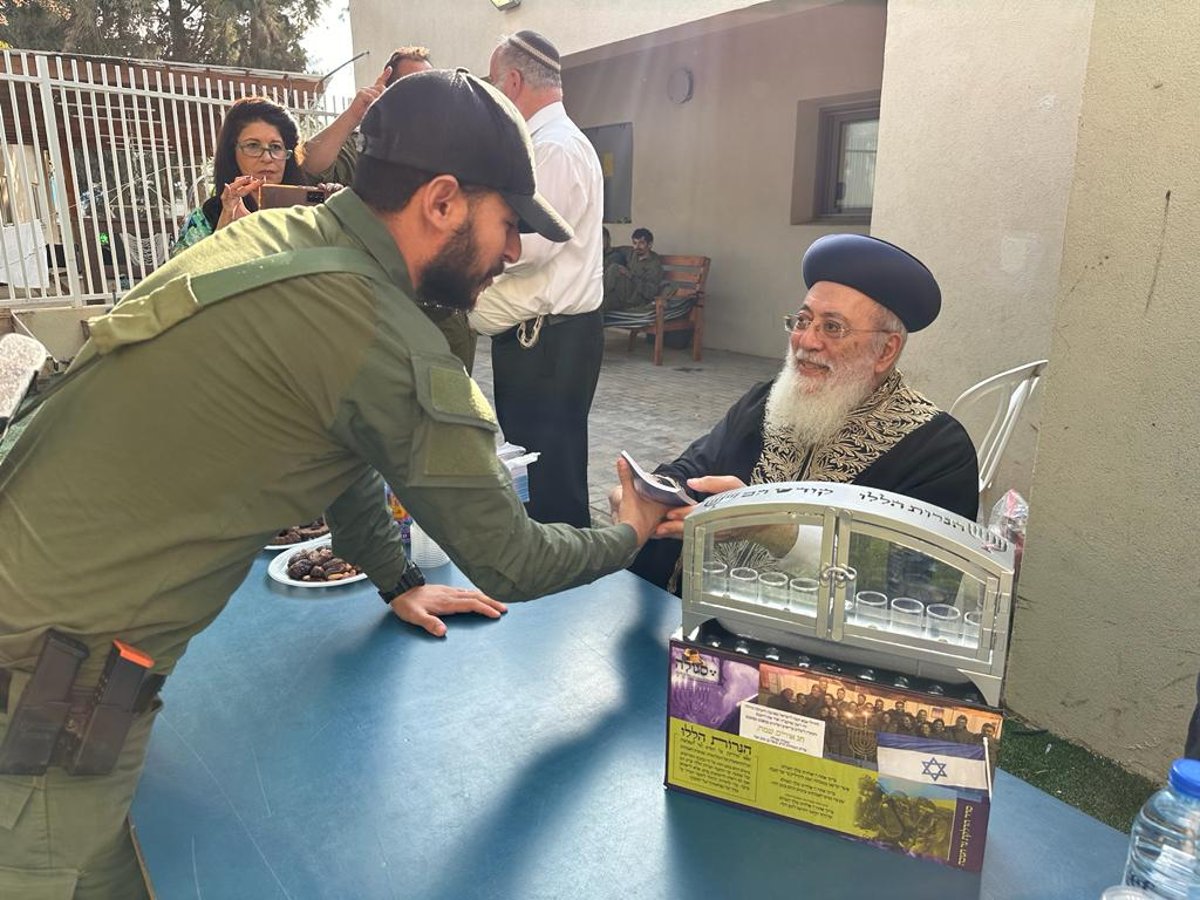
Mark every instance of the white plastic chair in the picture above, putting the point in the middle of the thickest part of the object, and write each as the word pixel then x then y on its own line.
pixel 1009 391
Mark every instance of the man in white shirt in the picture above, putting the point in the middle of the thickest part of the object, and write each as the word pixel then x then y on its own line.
pixel 544 313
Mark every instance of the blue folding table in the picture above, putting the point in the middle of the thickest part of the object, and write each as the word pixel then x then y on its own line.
pixel 314 746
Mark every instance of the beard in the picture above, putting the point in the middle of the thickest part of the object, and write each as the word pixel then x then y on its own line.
pixel 811 412
pixel 452 278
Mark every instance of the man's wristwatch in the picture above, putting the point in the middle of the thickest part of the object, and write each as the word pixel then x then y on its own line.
pixel 411 577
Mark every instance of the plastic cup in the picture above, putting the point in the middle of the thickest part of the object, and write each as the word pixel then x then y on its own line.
pixel 425 552
pixel 802 595
pixel 970 629
pixel 871 609
pixel 908 616
pixel 716 577
pixel 743 583
pixel 773 588
pixel 943 622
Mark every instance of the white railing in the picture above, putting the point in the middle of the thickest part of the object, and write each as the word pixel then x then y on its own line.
pixel 102 160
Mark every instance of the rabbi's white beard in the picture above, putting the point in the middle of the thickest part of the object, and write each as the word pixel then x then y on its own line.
pixel 812 410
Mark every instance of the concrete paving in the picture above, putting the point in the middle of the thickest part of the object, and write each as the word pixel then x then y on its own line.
pixel 654 412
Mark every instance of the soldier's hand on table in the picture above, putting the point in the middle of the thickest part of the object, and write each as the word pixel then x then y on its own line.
pixel 633 509
pixel 421 606
pixel 707 484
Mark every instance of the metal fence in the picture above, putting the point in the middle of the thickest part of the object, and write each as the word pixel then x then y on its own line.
pixel 102 160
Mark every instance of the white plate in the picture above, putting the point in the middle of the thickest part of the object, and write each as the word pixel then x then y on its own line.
pixel 277 568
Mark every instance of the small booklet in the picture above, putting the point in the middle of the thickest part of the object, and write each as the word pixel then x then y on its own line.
pixel 659 488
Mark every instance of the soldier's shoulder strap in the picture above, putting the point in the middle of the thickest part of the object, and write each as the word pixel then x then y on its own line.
pixel 144 318
pixel 213 287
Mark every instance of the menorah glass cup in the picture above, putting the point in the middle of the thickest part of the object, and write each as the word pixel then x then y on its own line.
pixel 715 577
pixel 943 622
pixel 773 588
pixel 971 628
pixel 743 583
pixel 908 616
pixel 802 595
pixel 871 609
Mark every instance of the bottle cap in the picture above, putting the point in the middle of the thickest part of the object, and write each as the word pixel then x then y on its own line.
pixel 1185 776
pixel 1125 892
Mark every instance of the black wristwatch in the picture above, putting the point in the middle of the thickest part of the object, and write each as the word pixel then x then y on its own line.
pixel 411 577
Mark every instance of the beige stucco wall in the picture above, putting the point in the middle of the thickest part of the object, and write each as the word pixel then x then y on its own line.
pixel 1108 639
pixel 977 147
pixel 463 32
pixel 714 175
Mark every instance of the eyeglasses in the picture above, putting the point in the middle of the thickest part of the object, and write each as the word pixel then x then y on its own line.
pixel 826 328
pixel 254 150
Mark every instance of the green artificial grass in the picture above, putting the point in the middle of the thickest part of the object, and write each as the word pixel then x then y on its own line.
pixel 1090 783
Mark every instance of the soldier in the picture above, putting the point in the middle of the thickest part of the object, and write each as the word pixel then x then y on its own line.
pixel 276 369
pixel 635 279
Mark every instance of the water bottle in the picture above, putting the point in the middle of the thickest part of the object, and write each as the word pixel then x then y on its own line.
pixel 1164 847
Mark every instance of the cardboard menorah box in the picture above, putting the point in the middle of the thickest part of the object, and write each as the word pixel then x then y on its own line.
pixel 836 747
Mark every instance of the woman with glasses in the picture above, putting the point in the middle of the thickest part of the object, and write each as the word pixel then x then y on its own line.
pixel 257 144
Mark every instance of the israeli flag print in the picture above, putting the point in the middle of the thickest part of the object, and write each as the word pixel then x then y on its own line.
pixel 940 763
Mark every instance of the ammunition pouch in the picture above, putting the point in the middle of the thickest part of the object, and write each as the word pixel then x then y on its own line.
pixel 53 722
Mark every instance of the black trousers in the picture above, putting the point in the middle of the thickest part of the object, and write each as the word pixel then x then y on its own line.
pixel 543 397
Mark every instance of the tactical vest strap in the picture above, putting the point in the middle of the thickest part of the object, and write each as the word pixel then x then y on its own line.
pixel 109 333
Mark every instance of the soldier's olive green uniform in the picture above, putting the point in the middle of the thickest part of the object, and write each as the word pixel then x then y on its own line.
pixel 636 285
pixel 138 496
pixel 454 325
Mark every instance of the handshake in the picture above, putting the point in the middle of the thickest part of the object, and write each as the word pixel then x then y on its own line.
pixel 664 493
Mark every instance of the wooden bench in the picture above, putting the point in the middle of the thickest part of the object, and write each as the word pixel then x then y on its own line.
pixel 684 278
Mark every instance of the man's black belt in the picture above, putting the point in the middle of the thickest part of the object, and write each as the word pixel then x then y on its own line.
pixel 54 722
pixel 548 321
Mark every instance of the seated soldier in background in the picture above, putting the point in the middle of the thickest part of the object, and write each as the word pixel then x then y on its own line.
pixel 634 280
pixel 839 410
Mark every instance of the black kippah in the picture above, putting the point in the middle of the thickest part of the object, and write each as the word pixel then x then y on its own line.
pixel 892 277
